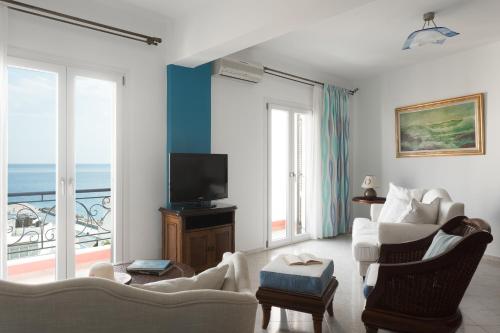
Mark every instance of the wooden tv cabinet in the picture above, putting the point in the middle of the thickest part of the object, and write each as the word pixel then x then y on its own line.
pixel 198 237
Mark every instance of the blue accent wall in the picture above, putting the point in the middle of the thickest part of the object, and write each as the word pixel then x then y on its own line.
pixel 189 127
pixel 189 93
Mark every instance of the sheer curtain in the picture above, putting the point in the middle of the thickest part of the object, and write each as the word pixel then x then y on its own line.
pixel 3 139
pixel 335 161
pixel 313 186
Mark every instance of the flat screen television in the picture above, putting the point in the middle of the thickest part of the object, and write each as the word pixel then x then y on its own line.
pixel 197 177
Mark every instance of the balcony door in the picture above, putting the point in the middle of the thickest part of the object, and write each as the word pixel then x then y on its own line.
pixel 287 143
pixel 62 189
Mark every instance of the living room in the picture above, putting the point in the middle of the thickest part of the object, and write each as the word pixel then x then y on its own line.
pixel 343 132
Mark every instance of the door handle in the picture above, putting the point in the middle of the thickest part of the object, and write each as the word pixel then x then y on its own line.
pixel 63 186
pixel 71 185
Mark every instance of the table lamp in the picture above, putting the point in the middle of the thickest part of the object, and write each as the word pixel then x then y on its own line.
pixel 369 184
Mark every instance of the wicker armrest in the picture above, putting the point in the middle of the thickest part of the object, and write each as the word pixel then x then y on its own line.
pixel 404 252
pixel 415 250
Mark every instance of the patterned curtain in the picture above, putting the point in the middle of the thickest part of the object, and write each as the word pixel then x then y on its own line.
pixel 335 161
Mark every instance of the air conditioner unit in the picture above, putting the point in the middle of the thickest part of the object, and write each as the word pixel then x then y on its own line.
pixel 240 70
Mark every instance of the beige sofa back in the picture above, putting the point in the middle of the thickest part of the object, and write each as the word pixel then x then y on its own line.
pixel 96 305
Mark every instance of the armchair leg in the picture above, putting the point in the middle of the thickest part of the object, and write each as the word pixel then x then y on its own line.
pixel 371 329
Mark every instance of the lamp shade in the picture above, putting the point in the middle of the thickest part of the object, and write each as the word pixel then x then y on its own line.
pixel 369 182
pixel 436 35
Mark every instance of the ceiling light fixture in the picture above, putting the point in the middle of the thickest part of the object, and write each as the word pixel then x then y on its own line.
pixel 428 34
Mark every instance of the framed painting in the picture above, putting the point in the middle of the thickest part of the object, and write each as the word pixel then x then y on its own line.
pixel 448 127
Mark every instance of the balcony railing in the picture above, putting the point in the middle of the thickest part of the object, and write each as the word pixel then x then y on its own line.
pixel 32 221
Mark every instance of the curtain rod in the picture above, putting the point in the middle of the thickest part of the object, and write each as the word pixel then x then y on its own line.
pixel 299 79
pixel 80 22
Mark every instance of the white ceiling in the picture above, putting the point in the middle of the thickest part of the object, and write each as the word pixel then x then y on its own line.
pixel 169 8
pixel 367 40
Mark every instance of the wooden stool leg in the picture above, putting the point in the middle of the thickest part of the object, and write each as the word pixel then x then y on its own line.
pixel 371 329
pixel 318 322
pixel 329 308
pixel 266 315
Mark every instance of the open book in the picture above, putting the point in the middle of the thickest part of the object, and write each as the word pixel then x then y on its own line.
pixel 301 259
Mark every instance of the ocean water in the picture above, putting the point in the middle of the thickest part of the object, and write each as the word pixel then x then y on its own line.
pixel 23 178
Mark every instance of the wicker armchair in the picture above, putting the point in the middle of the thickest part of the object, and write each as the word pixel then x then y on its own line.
pixel 413 295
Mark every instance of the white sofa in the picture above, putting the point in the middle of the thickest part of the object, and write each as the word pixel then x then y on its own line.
pixel 367 234
pixel 97 305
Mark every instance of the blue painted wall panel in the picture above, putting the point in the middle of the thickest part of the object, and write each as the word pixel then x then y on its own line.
pixel 188 109
pixel 189 119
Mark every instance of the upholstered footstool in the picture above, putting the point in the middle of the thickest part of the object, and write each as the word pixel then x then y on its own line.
pixel 308 289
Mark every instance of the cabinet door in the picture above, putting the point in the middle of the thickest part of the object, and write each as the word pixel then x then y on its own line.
pixel 197 252
pixel 223 242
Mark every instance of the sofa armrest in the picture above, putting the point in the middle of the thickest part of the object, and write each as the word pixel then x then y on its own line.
pixel 449 210
pixel 375 211
pixel 396 233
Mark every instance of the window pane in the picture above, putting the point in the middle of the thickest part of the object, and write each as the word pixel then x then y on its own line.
pixel 279 173
pixel 94 109
pixel 32 142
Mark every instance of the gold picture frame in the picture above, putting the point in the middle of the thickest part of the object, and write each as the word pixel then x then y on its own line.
pixel 449 127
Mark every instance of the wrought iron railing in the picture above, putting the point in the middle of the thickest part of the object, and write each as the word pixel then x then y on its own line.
pixel 31 222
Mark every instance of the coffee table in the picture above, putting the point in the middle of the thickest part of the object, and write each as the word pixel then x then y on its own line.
pixel 178 270
pixel 315 305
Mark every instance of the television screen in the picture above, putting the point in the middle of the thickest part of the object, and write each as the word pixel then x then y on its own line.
pixel 197 177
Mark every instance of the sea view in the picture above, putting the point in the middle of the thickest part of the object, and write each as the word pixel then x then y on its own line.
pixel 42 177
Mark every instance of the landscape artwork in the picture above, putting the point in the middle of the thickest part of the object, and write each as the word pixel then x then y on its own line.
pixel 449 127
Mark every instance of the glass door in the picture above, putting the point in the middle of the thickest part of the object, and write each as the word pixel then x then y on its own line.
pixel 63 166
pixel 92 112
pixel 288 133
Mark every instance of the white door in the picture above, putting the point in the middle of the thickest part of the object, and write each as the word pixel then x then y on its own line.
pixel 287 141
pixel 62 169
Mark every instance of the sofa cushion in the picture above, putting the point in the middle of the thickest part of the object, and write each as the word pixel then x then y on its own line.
pixel 397 202
pixel 212 278
pixel 365 245
pixel 370 279
pixel 421 213
pixel 441 243
pixel 305 279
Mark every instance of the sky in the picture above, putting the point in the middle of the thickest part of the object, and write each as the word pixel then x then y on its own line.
pixel 32 117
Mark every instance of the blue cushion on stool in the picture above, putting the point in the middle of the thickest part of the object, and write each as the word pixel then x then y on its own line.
pixel 303 279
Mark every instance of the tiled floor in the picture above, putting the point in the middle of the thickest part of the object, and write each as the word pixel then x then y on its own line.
pixel 480 306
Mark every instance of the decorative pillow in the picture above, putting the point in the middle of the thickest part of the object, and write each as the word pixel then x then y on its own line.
pixel 397 202
pixel 421 213
pixel 441 243
pixel 212 278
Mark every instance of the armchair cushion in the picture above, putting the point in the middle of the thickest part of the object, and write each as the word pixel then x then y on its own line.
pixel 421 213
pixel 440 244
pixel 370 279
pixel 397 202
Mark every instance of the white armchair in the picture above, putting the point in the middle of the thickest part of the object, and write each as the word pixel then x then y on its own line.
pixel 368 234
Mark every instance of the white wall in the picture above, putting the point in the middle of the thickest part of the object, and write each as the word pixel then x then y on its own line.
pixel 144 129
pixel 239 121
pixel 473 180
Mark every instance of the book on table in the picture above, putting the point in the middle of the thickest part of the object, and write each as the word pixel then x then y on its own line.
pixel 301 259
pixel 153 267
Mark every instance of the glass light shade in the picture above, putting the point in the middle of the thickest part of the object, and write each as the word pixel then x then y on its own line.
pixel 436 35
pixel 369 182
